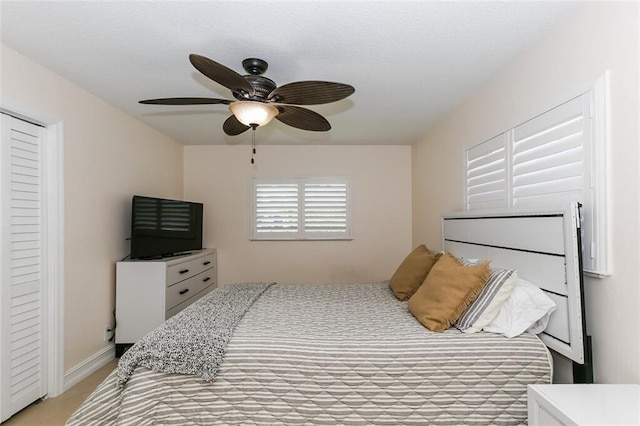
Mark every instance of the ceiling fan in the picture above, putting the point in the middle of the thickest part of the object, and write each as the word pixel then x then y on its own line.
pixel 259 99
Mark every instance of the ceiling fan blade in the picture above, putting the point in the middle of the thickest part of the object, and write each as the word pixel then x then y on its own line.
pixel 221 74
pixel 302 118
pixel 311 92
pixel 186 101
pixel 233 127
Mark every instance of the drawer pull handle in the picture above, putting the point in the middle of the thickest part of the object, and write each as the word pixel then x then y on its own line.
pixel 184 271
pixel 206 263
pixel 184 291
pixel 206 279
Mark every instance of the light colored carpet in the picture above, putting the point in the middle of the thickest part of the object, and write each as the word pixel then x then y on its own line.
pixel 56 411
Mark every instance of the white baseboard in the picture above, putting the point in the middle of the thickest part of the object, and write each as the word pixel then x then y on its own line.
pixel 89 366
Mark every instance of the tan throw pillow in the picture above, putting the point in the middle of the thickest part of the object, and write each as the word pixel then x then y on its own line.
pixel 412 271
pixel 447 291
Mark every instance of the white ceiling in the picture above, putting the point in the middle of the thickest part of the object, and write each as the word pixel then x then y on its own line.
pixel 410 61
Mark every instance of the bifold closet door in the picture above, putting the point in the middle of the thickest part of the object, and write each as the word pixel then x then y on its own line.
pixel 22 293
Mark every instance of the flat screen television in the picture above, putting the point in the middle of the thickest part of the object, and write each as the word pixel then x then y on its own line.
pixel 163 228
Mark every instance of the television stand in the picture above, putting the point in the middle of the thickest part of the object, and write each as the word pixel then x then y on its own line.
pixel 148 292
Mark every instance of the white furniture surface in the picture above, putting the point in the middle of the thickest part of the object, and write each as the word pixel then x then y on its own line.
pixel 148 292
pixel 584 404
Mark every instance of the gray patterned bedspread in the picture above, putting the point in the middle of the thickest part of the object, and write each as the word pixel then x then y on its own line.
pixel 194 341
pixel 336 354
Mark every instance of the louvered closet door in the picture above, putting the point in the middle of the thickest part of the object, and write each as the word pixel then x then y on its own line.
pixel 23 333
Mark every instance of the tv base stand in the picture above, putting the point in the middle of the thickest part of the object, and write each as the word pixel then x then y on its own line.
pixel 148 292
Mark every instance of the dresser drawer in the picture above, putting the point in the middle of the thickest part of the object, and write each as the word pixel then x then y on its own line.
pixel 183 290
pixel 182 271
pixel 179 307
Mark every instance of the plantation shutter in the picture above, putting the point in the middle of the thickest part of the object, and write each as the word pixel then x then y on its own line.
pixel 486 179
pixel 548 157
pixel 276 209
pixel 325 209
pixel 552 159
pixel 300 208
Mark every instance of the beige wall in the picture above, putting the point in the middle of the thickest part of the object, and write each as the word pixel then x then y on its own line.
pixel 380 176
pixel 108 156
pixel 602 36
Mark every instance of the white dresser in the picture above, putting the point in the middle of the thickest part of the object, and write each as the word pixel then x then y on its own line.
pixel 584 405
pixel 148 292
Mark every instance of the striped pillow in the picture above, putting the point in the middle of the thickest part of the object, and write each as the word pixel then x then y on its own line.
pixel 486 306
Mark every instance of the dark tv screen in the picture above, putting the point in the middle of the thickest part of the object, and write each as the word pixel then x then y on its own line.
pixel 162 227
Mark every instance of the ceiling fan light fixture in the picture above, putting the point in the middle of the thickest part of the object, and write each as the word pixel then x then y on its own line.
pixel 252 113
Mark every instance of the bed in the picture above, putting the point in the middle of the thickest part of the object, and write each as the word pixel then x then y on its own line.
pixel 325 354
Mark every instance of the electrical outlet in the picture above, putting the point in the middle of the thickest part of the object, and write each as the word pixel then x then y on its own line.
pixel 108 332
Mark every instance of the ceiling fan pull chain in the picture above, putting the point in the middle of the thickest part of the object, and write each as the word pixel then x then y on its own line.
pixel 253 145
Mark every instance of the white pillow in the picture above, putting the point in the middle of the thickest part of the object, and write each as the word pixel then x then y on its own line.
pixel 527 309
pixel 484 309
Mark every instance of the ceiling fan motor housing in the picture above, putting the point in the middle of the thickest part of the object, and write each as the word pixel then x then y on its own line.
pixel 262 86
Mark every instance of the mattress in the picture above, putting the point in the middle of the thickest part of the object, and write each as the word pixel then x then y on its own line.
pixel 336 354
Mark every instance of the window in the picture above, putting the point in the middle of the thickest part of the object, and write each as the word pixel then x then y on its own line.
pixel 552 159
pixel 301 209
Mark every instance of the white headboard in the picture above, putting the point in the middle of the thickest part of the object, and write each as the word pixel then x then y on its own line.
pixel 544 247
